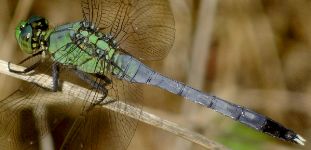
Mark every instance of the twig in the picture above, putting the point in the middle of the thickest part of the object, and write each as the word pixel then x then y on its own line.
pixel 132 112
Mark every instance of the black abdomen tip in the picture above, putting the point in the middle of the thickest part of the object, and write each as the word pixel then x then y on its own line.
pixel 275 129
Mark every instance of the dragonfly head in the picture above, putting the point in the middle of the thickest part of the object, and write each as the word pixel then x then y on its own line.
pixel 30 34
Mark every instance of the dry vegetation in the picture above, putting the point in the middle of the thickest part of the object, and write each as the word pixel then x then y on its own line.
pixel 253 52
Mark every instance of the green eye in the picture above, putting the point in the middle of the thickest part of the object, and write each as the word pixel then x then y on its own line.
pixel 22 27
pixel 28 36
pixel 26 33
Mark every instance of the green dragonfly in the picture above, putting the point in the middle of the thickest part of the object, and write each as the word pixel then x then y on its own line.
pixel 103 51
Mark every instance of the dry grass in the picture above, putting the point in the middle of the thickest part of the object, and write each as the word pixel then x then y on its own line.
pixel 259 56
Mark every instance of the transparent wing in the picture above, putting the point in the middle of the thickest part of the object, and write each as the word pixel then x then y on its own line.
pixel 23 115
pixel 144 28
pixel 104 129
pixel 98 128
pixel 32 112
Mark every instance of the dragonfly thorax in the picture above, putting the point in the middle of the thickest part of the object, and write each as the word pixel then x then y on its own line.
pixel 82 46
pixel 87 29
pixel 91 40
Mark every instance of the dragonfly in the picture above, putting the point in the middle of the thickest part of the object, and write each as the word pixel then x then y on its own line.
pixel 104 51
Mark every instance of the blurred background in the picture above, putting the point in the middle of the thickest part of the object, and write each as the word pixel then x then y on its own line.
pixel 256 53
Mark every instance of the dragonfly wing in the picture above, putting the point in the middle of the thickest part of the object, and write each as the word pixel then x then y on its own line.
pixel 23 115
pixel 131 95
pixel 143 28
pixel 100 128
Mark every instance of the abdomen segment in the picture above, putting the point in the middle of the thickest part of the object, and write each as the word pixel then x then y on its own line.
pixel 136 72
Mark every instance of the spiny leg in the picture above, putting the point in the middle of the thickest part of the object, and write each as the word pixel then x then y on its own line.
pixel 55 75
pixel 55 71
pixel 101 87
pixel 55 79
pixel 103 77
pixel 28 69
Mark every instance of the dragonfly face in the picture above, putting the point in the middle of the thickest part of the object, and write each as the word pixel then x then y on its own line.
pixel 30 34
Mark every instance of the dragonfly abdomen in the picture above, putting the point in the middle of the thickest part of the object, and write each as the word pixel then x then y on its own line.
pixel 136 72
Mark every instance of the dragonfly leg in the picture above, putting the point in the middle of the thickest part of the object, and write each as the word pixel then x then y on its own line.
pixel 28 69
pixel 101 87
pixel 104 78
pixel 55 79
pixel 55 75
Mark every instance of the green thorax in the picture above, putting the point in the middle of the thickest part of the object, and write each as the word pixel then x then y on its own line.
pixel 82 48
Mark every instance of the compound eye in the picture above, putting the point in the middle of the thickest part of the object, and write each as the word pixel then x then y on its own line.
pixel 26 36
pixel 26 33
pixel 22 27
